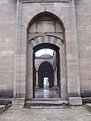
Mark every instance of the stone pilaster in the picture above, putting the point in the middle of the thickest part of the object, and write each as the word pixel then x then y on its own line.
pixel 73 62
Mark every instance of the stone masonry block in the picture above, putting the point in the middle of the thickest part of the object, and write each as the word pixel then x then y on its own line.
pixel 75 101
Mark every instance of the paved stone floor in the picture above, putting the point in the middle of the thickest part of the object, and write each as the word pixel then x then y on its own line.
pixel 47 114
pixel 46 93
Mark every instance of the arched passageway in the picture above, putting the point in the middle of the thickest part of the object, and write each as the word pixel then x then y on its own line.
pixel 45 70
pixel 41 27
pixel 46 74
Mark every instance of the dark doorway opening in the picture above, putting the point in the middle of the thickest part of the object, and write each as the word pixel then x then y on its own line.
pixel 45 70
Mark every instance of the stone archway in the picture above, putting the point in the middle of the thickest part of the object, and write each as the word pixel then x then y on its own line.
pixel 46 70
pixel 70 83
pixel 46 66
pixel 46 29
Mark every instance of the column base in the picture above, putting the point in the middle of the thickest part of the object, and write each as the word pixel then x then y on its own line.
pixel 18 103
pixel 75 101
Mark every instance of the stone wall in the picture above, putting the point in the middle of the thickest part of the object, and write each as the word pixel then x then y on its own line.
pixel 7 40
pixel 8 37
pixel 83 16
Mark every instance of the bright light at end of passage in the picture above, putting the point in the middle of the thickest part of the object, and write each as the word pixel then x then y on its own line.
pixel 44 52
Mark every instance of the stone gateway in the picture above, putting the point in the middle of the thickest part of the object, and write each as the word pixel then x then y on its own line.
pixel 45 50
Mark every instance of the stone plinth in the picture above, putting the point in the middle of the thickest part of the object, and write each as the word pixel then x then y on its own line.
pixel 18 103
pixel 75 101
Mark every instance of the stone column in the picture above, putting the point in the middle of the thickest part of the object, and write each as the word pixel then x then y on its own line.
pixel 36 79
pixel 55 77
pixel 29 80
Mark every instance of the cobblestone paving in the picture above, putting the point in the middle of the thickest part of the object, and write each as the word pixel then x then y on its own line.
pixel 47 114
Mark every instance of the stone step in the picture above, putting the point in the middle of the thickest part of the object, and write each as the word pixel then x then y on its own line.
pixel 88 106
pixel 5 101
pixel 46 99
pixel 29 104
pixel 17 103
pixel 86 100
pixel 2 108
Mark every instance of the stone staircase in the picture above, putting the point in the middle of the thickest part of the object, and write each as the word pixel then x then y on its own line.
pixel 5 103
pixel 45 103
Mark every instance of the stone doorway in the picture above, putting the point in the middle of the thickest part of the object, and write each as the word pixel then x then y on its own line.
pixel 46 31
pixel 46 71
pixel 40 26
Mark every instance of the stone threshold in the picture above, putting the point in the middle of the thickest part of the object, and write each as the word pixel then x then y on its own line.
pixel 45 99
pixel 31 103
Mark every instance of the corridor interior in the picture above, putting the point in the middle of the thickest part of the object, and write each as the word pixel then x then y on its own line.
pixel 46 76
pixel 46 93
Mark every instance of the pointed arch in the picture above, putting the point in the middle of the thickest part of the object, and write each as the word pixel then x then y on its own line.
pixel 45 28
pixel 48 14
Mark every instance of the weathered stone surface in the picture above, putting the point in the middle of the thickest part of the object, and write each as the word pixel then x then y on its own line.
pixel 75 101
pixel 47 114
pixel 7 40
pixel 17 103
pixel 83 17
pixel 2 108
pixel 88 106
pixel 77 23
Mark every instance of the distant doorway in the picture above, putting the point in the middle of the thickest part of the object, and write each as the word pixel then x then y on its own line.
pixel 46 82
pixel 46 75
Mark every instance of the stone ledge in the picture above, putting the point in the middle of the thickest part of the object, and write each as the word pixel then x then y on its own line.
pixel 75 101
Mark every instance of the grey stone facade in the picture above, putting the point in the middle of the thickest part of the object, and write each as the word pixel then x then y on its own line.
pixel 15 17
